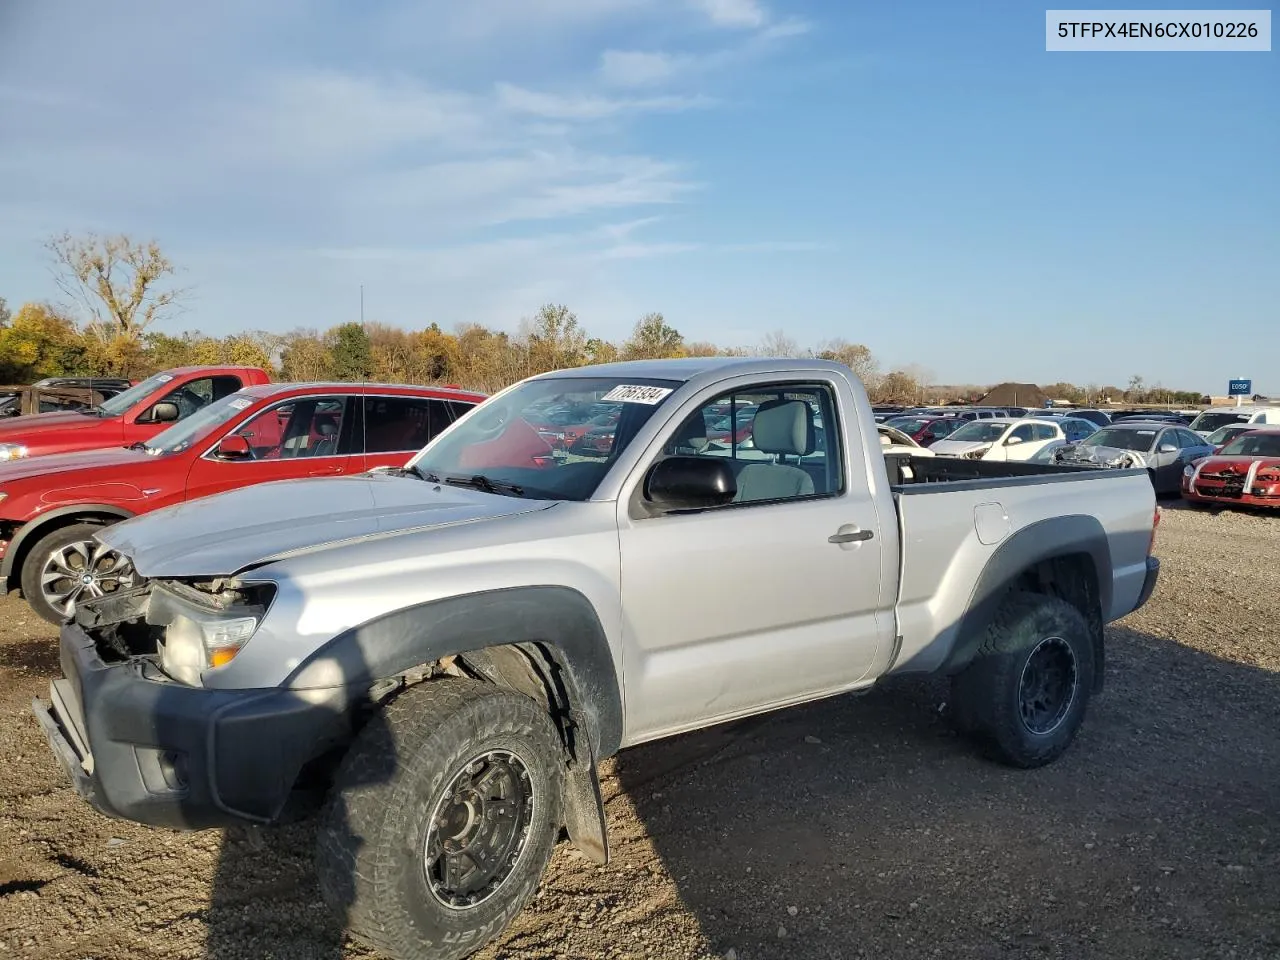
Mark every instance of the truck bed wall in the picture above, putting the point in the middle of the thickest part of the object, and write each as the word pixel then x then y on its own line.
pixel 1025 511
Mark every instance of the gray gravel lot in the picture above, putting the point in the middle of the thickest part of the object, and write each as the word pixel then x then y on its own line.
pixel 857 827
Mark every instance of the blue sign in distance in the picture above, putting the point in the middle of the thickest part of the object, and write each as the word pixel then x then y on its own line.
pixel 1239 388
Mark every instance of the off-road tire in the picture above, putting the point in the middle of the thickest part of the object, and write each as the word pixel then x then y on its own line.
pixel 987 695
pixel 373 828
pixel 35 560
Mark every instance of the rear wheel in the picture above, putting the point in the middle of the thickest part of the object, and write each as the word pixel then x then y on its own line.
pixel 1026 692
pixel 69 566
pixel 442 819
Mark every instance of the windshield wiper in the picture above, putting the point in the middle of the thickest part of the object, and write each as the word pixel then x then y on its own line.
pixel 480 482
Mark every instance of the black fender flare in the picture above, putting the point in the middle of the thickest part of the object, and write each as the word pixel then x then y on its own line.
pixel 1045 540
pixel 558 619
pixel 33 529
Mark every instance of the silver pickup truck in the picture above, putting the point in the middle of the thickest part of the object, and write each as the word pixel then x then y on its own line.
pixel 590 559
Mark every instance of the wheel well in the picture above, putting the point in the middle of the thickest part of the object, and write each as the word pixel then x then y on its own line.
pixel 1074 579
pixel 42 530
pixel 534 669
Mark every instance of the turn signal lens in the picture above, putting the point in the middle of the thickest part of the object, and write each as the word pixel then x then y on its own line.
pixel 221 656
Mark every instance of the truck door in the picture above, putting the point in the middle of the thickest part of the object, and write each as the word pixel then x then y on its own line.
pixel 188 396
pixel 769 599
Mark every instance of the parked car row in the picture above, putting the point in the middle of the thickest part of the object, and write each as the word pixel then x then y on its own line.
pixel 1169 445
pixel 176 437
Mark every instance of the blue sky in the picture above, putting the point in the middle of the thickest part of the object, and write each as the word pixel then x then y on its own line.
pixel 920 177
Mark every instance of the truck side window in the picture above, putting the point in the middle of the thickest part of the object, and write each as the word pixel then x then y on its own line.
pixel 783 440
pixel 195 394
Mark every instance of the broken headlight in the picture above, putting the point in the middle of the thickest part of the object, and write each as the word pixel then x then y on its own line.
pixel 206 626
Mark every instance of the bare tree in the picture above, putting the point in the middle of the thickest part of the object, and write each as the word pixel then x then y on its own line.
pixel 117 280
pixel 779 344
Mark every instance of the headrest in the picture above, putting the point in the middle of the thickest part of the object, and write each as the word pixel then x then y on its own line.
pixel 326 428
pixel 783 426
pixel 692 433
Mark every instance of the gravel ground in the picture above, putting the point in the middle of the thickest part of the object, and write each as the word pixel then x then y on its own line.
pixel 857 827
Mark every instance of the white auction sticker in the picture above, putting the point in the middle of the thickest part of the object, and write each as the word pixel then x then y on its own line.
pixel 164 378
pixel 637 393
pixel 239 403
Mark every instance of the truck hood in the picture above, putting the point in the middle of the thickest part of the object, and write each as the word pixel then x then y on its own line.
pixel 58 467
pixel 14 429
pixel 224 534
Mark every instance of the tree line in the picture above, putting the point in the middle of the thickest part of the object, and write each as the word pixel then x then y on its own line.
pixel 118 289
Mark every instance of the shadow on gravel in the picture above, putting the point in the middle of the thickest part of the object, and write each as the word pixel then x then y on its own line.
pixel 39 655
pixel 266 899
pixel 865 827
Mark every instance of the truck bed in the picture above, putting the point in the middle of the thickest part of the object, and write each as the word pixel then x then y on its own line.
pixel 910 474
pixel 954 514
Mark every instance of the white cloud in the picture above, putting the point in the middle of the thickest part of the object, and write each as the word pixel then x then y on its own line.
pixel 749 14
pixel 589 106
pixel 639 68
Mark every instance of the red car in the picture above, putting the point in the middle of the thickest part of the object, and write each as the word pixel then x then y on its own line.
pixel 51 506
pixel 1245 471
pixel 926 431
pixel 137 414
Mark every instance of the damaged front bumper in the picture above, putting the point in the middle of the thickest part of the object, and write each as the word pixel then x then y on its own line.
pixel 139 746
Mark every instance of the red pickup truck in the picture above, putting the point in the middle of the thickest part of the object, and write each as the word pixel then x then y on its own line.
pixel 51 506
pixel 137 414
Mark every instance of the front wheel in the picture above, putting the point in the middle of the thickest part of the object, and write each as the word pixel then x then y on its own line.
pixel 1027 689
pixel 442 819
pixel 69 566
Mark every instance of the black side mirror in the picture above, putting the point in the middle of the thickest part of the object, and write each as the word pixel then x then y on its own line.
pixel 691 483
pixel 164 412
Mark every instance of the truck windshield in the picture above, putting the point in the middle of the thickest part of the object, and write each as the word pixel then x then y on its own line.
pixel 190 430
pixel 1253 445
pixel 550 439
pixel 1212 421
pixel 121 402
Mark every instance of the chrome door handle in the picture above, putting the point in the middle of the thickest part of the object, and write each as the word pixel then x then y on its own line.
pixel 850 537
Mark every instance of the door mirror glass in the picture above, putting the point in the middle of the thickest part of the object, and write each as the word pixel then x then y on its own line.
pixel 165 412
pixel 233 447
pixel 691 483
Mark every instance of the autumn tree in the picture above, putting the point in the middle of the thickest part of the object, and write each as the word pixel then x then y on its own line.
pixel 652 339
pixel 304 357
pixel 601 351
pixel 1065 391
pixel 38 342
pixel 553 339
pixel 855 356
pixel 119 282
pixel 896 386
